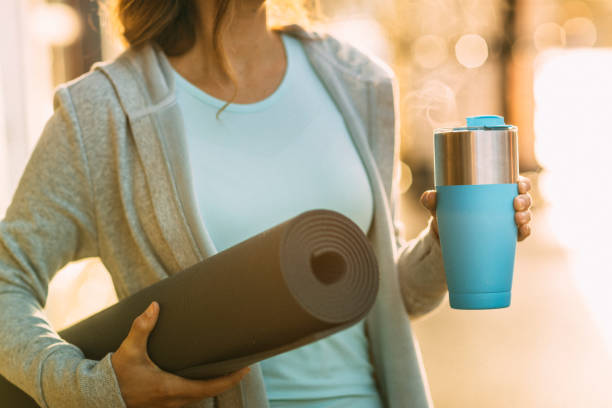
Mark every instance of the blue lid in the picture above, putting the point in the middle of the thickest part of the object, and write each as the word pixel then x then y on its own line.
pixel 484 122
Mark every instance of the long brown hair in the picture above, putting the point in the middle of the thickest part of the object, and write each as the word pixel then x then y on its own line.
pixel 172 24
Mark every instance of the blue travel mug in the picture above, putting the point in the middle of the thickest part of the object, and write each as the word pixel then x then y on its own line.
pixel 476 171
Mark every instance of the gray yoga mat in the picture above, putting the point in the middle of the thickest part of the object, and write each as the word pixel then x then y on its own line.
pixel 304 279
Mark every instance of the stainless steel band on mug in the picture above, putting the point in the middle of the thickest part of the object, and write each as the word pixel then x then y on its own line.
pixel 479 156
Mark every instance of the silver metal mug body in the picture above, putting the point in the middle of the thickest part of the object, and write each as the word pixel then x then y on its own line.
pixel 475 156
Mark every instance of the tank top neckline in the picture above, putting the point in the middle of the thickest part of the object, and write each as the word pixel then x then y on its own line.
pixel 269 100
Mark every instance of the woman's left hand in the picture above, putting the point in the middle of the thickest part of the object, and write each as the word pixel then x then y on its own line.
pixel 522 204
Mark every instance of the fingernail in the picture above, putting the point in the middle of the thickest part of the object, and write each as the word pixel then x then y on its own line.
pixel 149 311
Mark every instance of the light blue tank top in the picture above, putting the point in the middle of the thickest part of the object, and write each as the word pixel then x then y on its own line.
pixel 260 164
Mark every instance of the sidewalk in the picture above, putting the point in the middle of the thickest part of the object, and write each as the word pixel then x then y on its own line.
pixel 544 351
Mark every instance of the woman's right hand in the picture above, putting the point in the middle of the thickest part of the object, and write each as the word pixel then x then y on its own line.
pixel 144 384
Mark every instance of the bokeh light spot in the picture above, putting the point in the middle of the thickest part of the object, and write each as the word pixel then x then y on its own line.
pixel 580 32
pixel 471 50
pixel 405 177
pixel 549 35
pixel 56 24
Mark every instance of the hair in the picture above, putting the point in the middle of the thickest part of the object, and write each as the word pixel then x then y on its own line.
pixel 172 24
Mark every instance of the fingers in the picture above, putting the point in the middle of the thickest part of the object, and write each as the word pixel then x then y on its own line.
pixel 522 202
pixel 144 384
pixel 219 385
pixel 429 201
pixel 522 217
pixel 524 185
pixel 523 232
pixel 141 328
pixel 180 387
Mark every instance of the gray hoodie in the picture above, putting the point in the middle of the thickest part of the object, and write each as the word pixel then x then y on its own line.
pixel 109 178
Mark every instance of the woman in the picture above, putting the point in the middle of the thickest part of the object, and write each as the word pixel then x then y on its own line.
pixel 145 165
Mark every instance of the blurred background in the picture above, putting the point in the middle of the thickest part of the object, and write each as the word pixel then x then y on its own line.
pixel 546 65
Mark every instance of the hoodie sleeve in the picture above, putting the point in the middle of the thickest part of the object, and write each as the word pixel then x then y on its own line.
pixel 421 273
pixel 419 261
pixel 50 222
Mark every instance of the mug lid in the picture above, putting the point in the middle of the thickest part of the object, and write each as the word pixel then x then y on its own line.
pixel 483 152
pixel 484 122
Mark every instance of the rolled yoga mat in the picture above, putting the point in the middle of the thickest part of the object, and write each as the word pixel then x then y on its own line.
pixel 304 279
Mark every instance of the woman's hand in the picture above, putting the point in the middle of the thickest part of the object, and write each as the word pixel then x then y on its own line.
pixel 522 203
pixel 143 384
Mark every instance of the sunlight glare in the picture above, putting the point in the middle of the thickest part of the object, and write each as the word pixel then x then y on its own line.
pixel 572 91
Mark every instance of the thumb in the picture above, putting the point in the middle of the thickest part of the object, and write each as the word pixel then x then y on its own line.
pixel 142 327
pixel 429 201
